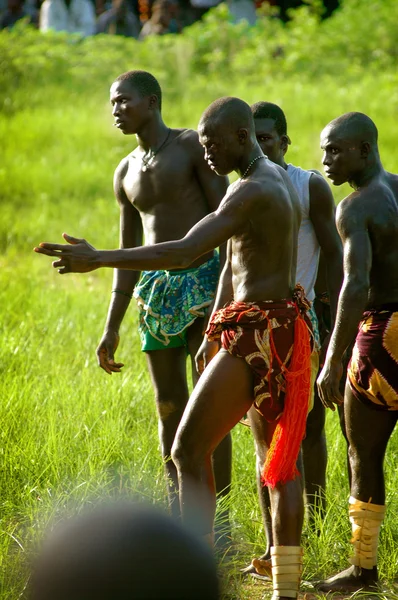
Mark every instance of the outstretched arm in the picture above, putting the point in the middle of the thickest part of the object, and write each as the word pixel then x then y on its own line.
pixel 80 257
pixel 353 298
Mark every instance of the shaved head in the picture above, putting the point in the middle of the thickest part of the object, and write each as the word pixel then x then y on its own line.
pixel 123 551
pixel 354 127
pixel 229 113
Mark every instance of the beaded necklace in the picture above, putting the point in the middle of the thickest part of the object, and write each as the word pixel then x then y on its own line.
pixel 252 163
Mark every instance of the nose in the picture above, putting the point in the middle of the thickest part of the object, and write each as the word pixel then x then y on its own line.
pixel 115 109
pixel 326 159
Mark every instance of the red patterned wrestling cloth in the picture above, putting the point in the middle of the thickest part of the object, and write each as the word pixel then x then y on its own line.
pixel 274 338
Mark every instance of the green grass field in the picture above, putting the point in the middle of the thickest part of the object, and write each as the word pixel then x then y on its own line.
pixel 71 435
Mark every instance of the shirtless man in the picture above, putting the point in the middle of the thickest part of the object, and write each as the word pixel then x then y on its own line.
pixel 368 308
pixel 262 326
pixel 317 232
pixel 163 188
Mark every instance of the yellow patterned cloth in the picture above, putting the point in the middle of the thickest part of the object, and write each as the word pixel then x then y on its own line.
pixel 373 369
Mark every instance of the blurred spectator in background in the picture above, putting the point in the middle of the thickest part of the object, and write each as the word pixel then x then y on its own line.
pixel 285 5
pixel 201 7
pixel 15 11
pixel 242 10
pixel 123 552
pixel 119 20
pixel 73 16
pixel 164 19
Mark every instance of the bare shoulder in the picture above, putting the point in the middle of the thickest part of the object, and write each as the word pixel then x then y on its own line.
pixel 121 171
pixel 189 139
pixel 317 181
pixel 350 213
pixel 242 193
pixel 321 196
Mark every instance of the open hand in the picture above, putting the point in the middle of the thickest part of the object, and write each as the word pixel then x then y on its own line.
pixel 328 384
pixel 77 256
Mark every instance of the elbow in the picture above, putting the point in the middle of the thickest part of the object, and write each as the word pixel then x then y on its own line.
pixel 356 287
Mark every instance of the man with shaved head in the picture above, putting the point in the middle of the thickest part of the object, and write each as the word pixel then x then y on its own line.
pixel 263 329
pixel 317 233
pixel 368 308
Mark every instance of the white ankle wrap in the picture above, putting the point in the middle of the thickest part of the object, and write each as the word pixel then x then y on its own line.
pixel 287 565
pixel 366 519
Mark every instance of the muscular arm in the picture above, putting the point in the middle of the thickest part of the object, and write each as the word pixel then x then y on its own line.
pixel 212 231
pixel 352 227
pixel 322 215
pixel 354 293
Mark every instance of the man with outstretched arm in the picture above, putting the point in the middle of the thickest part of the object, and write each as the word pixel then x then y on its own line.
pixel 317 233
pixel 265 334
pixel 163 188
pixel 367 221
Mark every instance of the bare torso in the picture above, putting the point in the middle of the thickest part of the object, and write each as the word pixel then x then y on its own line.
pixel 168 195
pixel 377 204
pixel 264 253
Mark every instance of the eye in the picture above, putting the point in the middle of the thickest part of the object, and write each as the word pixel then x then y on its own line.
pixel 334 151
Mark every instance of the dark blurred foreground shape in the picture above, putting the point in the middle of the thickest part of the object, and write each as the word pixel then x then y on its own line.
pixel 123 552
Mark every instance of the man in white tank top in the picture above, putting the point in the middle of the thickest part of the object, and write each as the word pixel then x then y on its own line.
pixel 317 233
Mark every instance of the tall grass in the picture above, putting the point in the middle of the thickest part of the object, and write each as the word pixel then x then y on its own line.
pixel 70 434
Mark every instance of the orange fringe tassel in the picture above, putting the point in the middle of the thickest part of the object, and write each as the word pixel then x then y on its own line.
pixel 280 464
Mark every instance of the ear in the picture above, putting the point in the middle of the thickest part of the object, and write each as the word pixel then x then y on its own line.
pixel 365 149
pixel 153 101
pixel 243 135
pixel 285 142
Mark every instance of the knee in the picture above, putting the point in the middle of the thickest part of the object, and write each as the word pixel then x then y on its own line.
pixel 169 407
pixel 186 455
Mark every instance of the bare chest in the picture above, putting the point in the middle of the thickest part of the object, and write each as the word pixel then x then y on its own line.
pixel 163 180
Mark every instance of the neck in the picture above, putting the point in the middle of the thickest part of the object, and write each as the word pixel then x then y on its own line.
pixel 281 162
pixel 152 134
pixel 362 179
pixel 247 159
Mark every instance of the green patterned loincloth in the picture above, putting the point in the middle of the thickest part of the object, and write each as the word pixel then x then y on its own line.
pixel 170 301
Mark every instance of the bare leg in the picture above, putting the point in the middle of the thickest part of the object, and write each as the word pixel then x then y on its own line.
pixel 258 428
pixel 368 432
pixel 167 369
pixel 222 456
pixel 287 499
pixel 220 399
pixel 315 459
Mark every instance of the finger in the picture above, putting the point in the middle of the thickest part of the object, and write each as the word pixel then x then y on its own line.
pixel 72 240
pixel 62 262
pixel 115 367
pixel 102 356
pixel 51 246
pixel 200 367
pixel 47 252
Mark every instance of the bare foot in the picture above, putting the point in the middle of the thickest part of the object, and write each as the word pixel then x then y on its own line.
pixel 349 581
pixel 260 568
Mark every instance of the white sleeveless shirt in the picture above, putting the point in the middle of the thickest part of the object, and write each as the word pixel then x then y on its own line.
pixel 308 246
